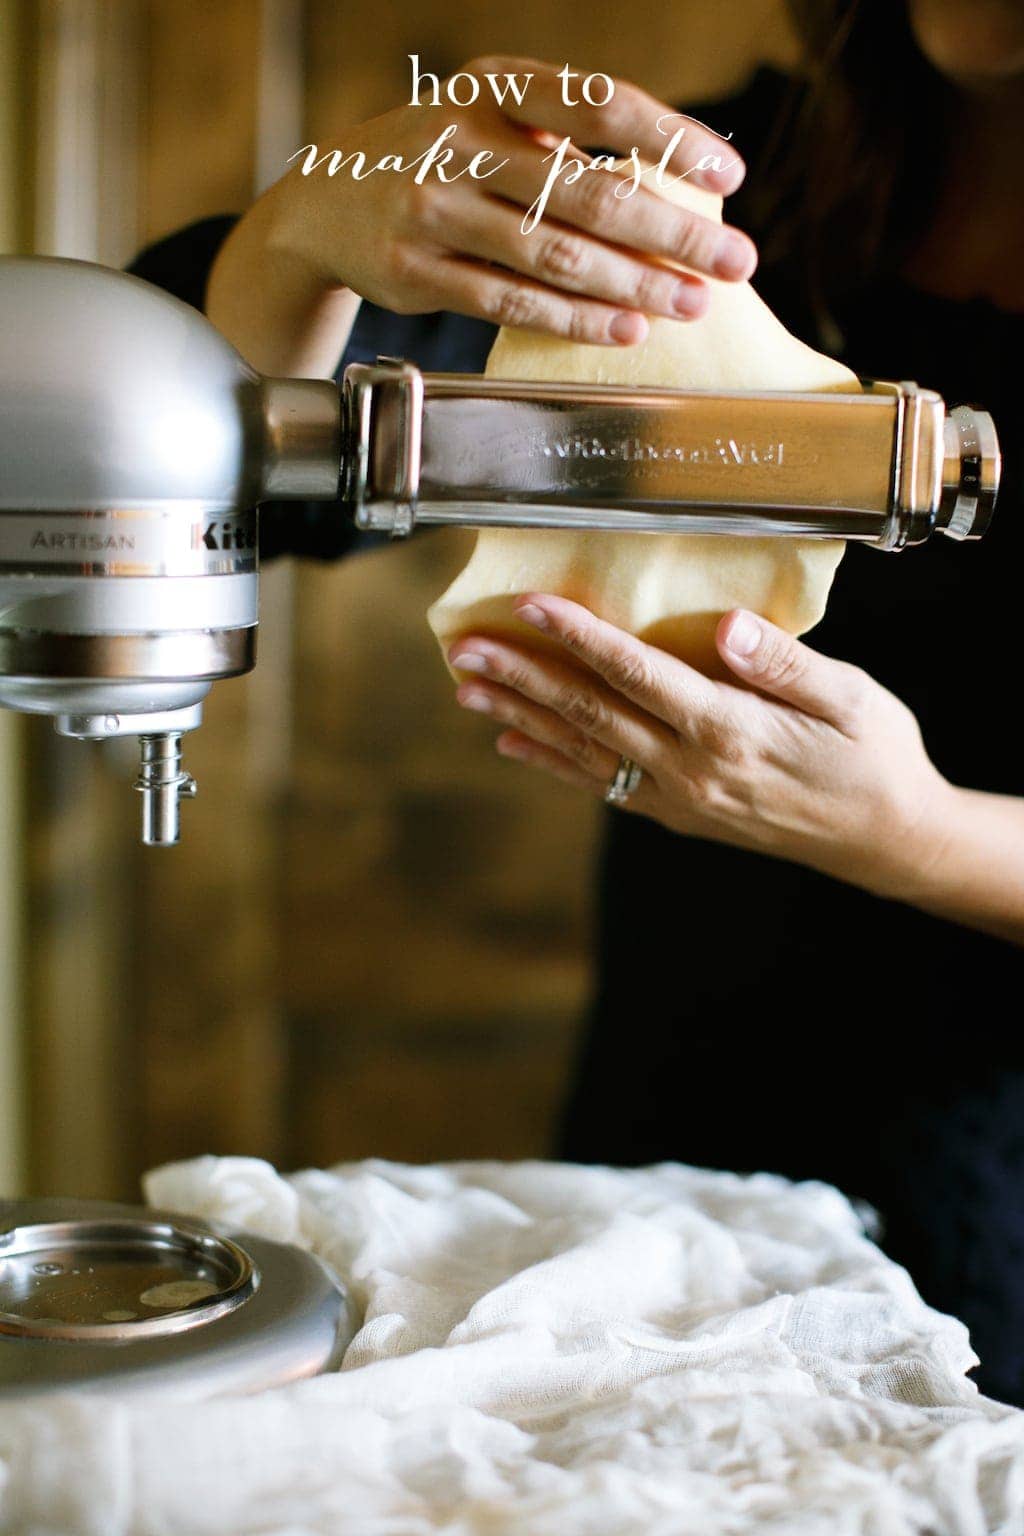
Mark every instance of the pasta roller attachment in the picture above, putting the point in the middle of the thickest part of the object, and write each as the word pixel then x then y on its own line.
pixel 890 466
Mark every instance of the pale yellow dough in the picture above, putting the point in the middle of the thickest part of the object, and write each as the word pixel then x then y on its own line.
pixel 671 590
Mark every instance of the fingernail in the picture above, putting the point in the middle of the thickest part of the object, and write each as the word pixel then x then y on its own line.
pixel 469 661
pixel 744 635
pixel 509 748
pixel 734 257
pixel 690 299
pixel 628 327
pixel 531 614
pixel 474 699
pixel 727 179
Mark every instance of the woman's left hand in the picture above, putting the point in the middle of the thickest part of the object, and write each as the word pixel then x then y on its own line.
pixel 805 758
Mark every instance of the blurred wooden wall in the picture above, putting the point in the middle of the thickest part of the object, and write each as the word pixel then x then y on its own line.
pixel 13 1076
pixel 373 938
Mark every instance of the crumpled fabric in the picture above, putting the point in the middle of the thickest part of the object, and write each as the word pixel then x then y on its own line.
pixel 553 1349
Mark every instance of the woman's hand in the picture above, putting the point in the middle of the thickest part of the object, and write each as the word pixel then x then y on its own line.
pixel 594 267
pixel 586 271
pixel 803 757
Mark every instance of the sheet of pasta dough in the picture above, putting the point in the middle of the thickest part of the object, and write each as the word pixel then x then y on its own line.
pixel 669 589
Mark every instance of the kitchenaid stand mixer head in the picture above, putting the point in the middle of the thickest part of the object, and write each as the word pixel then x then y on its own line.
pixel 136 445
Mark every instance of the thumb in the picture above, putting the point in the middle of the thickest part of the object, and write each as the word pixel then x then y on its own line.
pixel 778 663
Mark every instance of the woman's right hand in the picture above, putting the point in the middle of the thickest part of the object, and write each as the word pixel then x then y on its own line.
pixel 286 286
pixel 593 267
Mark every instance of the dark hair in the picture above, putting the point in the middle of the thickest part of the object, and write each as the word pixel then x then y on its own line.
pixel 855 160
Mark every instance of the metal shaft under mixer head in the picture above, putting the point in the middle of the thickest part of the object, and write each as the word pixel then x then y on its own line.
pixel 136 445
pixel 162 781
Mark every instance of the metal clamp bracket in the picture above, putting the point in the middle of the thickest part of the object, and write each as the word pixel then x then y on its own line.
pixel 385 413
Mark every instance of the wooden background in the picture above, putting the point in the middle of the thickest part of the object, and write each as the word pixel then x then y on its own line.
pixel 373 939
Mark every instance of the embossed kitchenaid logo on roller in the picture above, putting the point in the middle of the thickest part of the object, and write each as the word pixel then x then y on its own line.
pixel 564 164
pixel 633 450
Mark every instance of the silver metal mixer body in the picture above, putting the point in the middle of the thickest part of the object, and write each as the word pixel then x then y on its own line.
pixel 136 445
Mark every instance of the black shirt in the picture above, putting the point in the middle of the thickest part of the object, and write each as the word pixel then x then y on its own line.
pixel 753 1014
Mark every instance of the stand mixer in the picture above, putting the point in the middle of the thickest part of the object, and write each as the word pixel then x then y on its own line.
pixel 136 446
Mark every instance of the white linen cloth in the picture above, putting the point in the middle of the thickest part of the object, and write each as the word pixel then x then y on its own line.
pixel 552 1350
